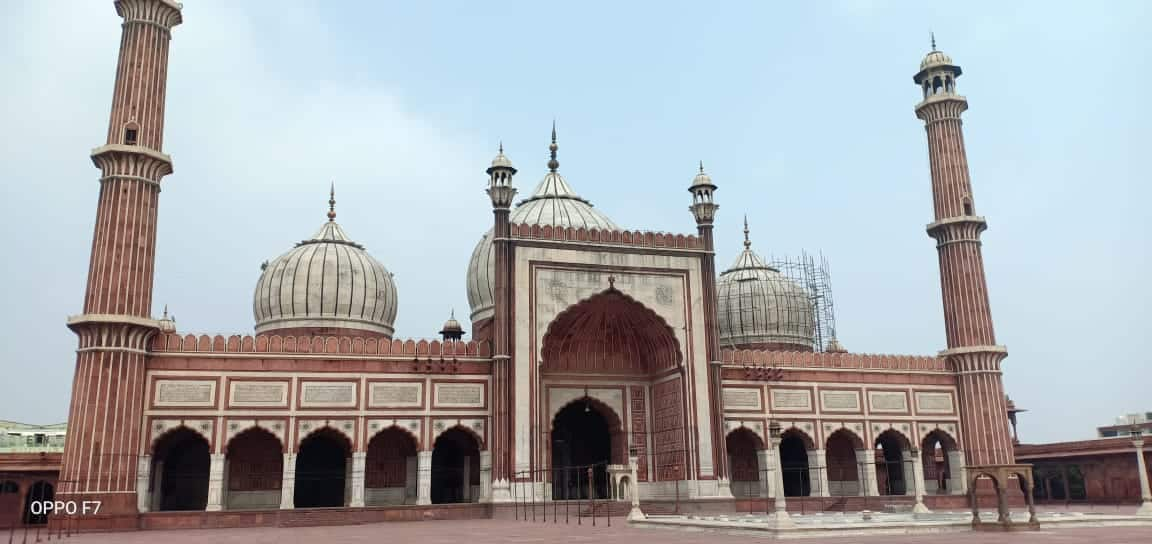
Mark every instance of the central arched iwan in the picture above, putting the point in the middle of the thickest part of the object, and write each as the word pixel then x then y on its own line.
pixel 610 333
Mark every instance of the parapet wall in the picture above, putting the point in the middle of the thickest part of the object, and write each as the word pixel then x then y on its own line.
pixel 846 361
pixel 610 237
pixel 345 345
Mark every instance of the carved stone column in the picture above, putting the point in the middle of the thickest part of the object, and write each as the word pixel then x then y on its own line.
pixel 818 472
pixel 424 477
pixel 143 476
pixel 288 484
pixel 918 482
pixel 866 460
pixel 215 483
pixel 358 461
pixel 486 476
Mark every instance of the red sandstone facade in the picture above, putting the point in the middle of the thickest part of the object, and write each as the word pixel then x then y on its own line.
pixel 583 318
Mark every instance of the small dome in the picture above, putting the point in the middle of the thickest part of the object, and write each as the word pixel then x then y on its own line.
pixel 935 58
pixel 452 325
pixel 326 282
pixel 553 203
pixel 702 178
pixel 502 161
pixel 758 307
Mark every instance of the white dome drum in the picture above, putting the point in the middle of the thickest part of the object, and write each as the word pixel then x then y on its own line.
pixel 327 284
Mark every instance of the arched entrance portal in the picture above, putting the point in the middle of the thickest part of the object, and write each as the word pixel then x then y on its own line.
pixel 321 469
pixel 40 491
pixel 390 468
pixel 890 463
pixel 843 471
pixel 585 436
pixel 936 450
pixel 455 467
pixel 255 461
pixel 629 347
pixel 794 464
pixel 744 449
pixel 180 463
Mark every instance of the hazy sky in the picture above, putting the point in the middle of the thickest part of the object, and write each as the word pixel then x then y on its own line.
pixel 802 113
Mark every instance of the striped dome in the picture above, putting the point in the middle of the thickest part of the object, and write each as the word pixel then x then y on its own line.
pixel 326 282
pixel 555 203
pixel 757 306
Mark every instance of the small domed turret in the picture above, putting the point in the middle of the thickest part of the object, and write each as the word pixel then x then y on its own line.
pixel 452 329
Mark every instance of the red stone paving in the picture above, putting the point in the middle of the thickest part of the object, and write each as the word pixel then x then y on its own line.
pixel 503 531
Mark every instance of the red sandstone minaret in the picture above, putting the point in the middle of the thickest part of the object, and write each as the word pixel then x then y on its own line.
pixel 972 351
pixel 703 210
pixel 503 442
pixel 100 458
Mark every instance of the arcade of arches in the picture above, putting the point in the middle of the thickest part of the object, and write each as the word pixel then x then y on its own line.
pixel 254 472
pixel 844 467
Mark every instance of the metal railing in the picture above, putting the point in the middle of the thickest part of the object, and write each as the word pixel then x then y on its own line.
pixel 569 493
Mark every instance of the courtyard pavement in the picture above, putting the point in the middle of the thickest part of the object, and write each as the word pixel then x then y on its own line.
pixel 504 531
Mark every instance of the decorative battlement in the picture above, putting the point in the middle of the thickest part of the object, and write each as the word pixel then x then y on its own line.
pixel 607 237
pixel 326 345
pixel 838 361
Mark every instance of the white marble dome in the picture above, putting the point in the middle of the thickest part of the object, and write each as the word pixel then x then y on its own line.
pixel 326 282
pixel 552 203
pixel 757 306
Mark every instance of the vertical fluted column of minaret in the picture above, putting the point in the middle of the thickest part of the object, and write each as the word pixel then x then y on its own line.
pixel 501 192
pixel 703 209
pixel 108 388
pixel 972 351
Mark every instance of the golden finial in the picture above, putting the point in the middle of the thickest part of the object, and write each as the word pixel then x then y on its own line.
pixel 332 202
pixel 747 242
pixel 553 164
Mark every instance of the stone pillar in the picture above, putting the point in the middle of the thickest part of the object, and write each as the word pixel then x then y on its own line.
pixel 358 460
pixel 908 472
pixel 1145 489
pixel 918 482
pixel 288 484
pixel 424 477
pixel 780 519
pixel 764 473
pixel 347 481
pixel 866 460
pixel 634 489
pixel 215 483
pixel 957 473
pixel 818 472
pixel 486 476
pixel 143 476
pixel 157 485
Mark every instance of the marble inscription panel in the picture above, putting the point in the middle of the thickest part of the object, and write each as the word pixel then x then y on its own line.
pixel 459 395
pixel 328 394
pixel 395 395
pixel 185 393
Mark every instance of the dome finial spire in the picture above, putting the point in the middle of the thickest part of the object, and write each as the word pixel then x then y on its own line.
pixel 553 164
pixel 332 202
pixel 701 166
pixel 933 36
pixel 747 242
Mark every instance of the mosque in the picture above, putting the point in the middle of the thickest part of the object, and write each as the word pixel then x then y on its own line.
pixel 602 363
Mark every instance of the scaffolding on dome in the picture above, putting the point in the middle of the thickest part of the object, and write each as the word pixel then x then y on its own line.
pixel 811 273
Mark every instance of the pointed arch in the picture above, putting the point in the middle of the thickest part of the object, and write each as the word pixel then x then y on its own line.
pixel 609 332
pixel 255 460
pixel 182 427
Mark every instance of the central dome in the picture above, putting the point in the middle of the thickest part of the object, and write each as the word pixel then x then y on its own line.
pixel 554 203
pixel 327 284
